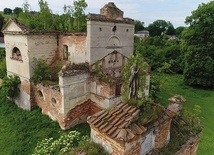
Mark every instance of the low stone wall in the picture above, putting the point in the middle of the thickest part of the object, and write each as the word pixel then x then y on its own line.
pixel 190 147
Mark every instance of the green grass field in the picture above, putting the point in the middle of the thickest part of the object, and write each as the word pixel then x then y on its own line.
pixel 171 85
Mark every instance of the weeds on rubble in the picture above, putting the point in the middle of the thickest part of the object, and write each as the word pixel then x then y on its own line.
pixel 173 84
pixel 41 71
pixel 183 127
pixel 90 148
pixel 150 114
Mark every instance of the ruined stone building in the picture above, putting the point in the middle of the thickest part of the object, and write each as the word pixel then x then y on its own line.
pixel 107 44
pixel 95 84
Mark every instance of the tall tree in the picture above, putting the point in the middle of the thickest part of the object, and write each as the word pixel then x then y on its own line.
pixel 45 16
pixel 139 26
pixel 7 11
pixel 1 24
pixel 160 27
pixel 179 30
pixel 170 30
pixel 198 46
pixel 17 11
pixel 79 15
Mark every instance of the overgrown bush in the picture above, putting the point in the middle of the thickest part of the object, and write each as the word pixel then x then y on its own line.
pixel 58 146
pixel 41 71
pixel 10 86
pixel 141 68
pixel 155 88
pixel 3 69
pixel 90 148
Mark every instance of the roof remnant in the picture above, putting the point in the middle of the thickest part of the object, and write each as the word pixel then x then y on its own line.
pixel 118 123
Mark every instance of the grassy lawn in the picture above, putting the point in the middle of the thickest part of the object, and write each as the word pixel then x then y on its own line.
pixel 171 85
pixel 21 130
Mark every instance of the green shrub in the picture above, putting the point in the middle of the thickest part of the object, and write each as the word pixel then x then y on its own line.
pixel 3 69
pixel 90 148
pixel 41 70
pixel 10 86
pixel 58 146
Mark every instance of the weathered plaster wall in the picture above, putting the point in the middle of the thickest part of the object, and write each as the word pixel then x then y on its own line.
pixel 75 90
pixel 23 99
pixel 101 40
pixel 76 47
pixel 103 94
pixel 42 46
pixel 15 66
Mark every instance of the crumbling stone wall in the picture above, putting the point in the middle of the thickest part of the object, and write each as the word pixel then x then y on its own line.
pixel 103 93
pixel 49 99
pixel 76 44
pixel 157 135
pixel 80 113
pixel 111 11
pixel 190 147
pixel 163 134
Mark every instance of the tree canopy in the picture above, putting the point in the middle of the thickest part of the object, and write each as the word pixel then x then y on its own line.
pixel 139 26
pixel 17 11
pixel 73 19
pixel 7 11
pixel 160 27
pixel 1 24
pixel 198 47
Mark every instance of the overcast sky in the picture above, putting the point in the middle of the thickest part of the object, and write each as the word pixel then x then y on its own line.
pixel 146 11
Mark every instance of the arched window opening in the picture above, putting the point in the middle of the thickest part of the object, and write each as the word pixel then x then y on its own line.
pixel 53 101
pixel 16 54
pixel 65 52
pixel 40 94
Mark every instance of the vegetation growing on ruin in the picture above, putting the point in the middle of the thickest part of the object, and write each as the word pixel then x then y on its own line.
pixel 173 84
pixel 44 73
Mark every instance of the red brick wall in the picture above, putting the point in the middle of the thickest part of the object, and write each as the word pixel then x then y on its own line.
pixel 162 133
pixel 50 101
pixel 190 148
pixel 80 113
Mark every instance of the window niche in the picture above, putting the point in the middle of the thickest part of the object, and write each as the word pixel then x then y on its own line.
pixel 16 54
pixel 118 89
pixel 40 94
pixel 65 52
pixel 53 101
